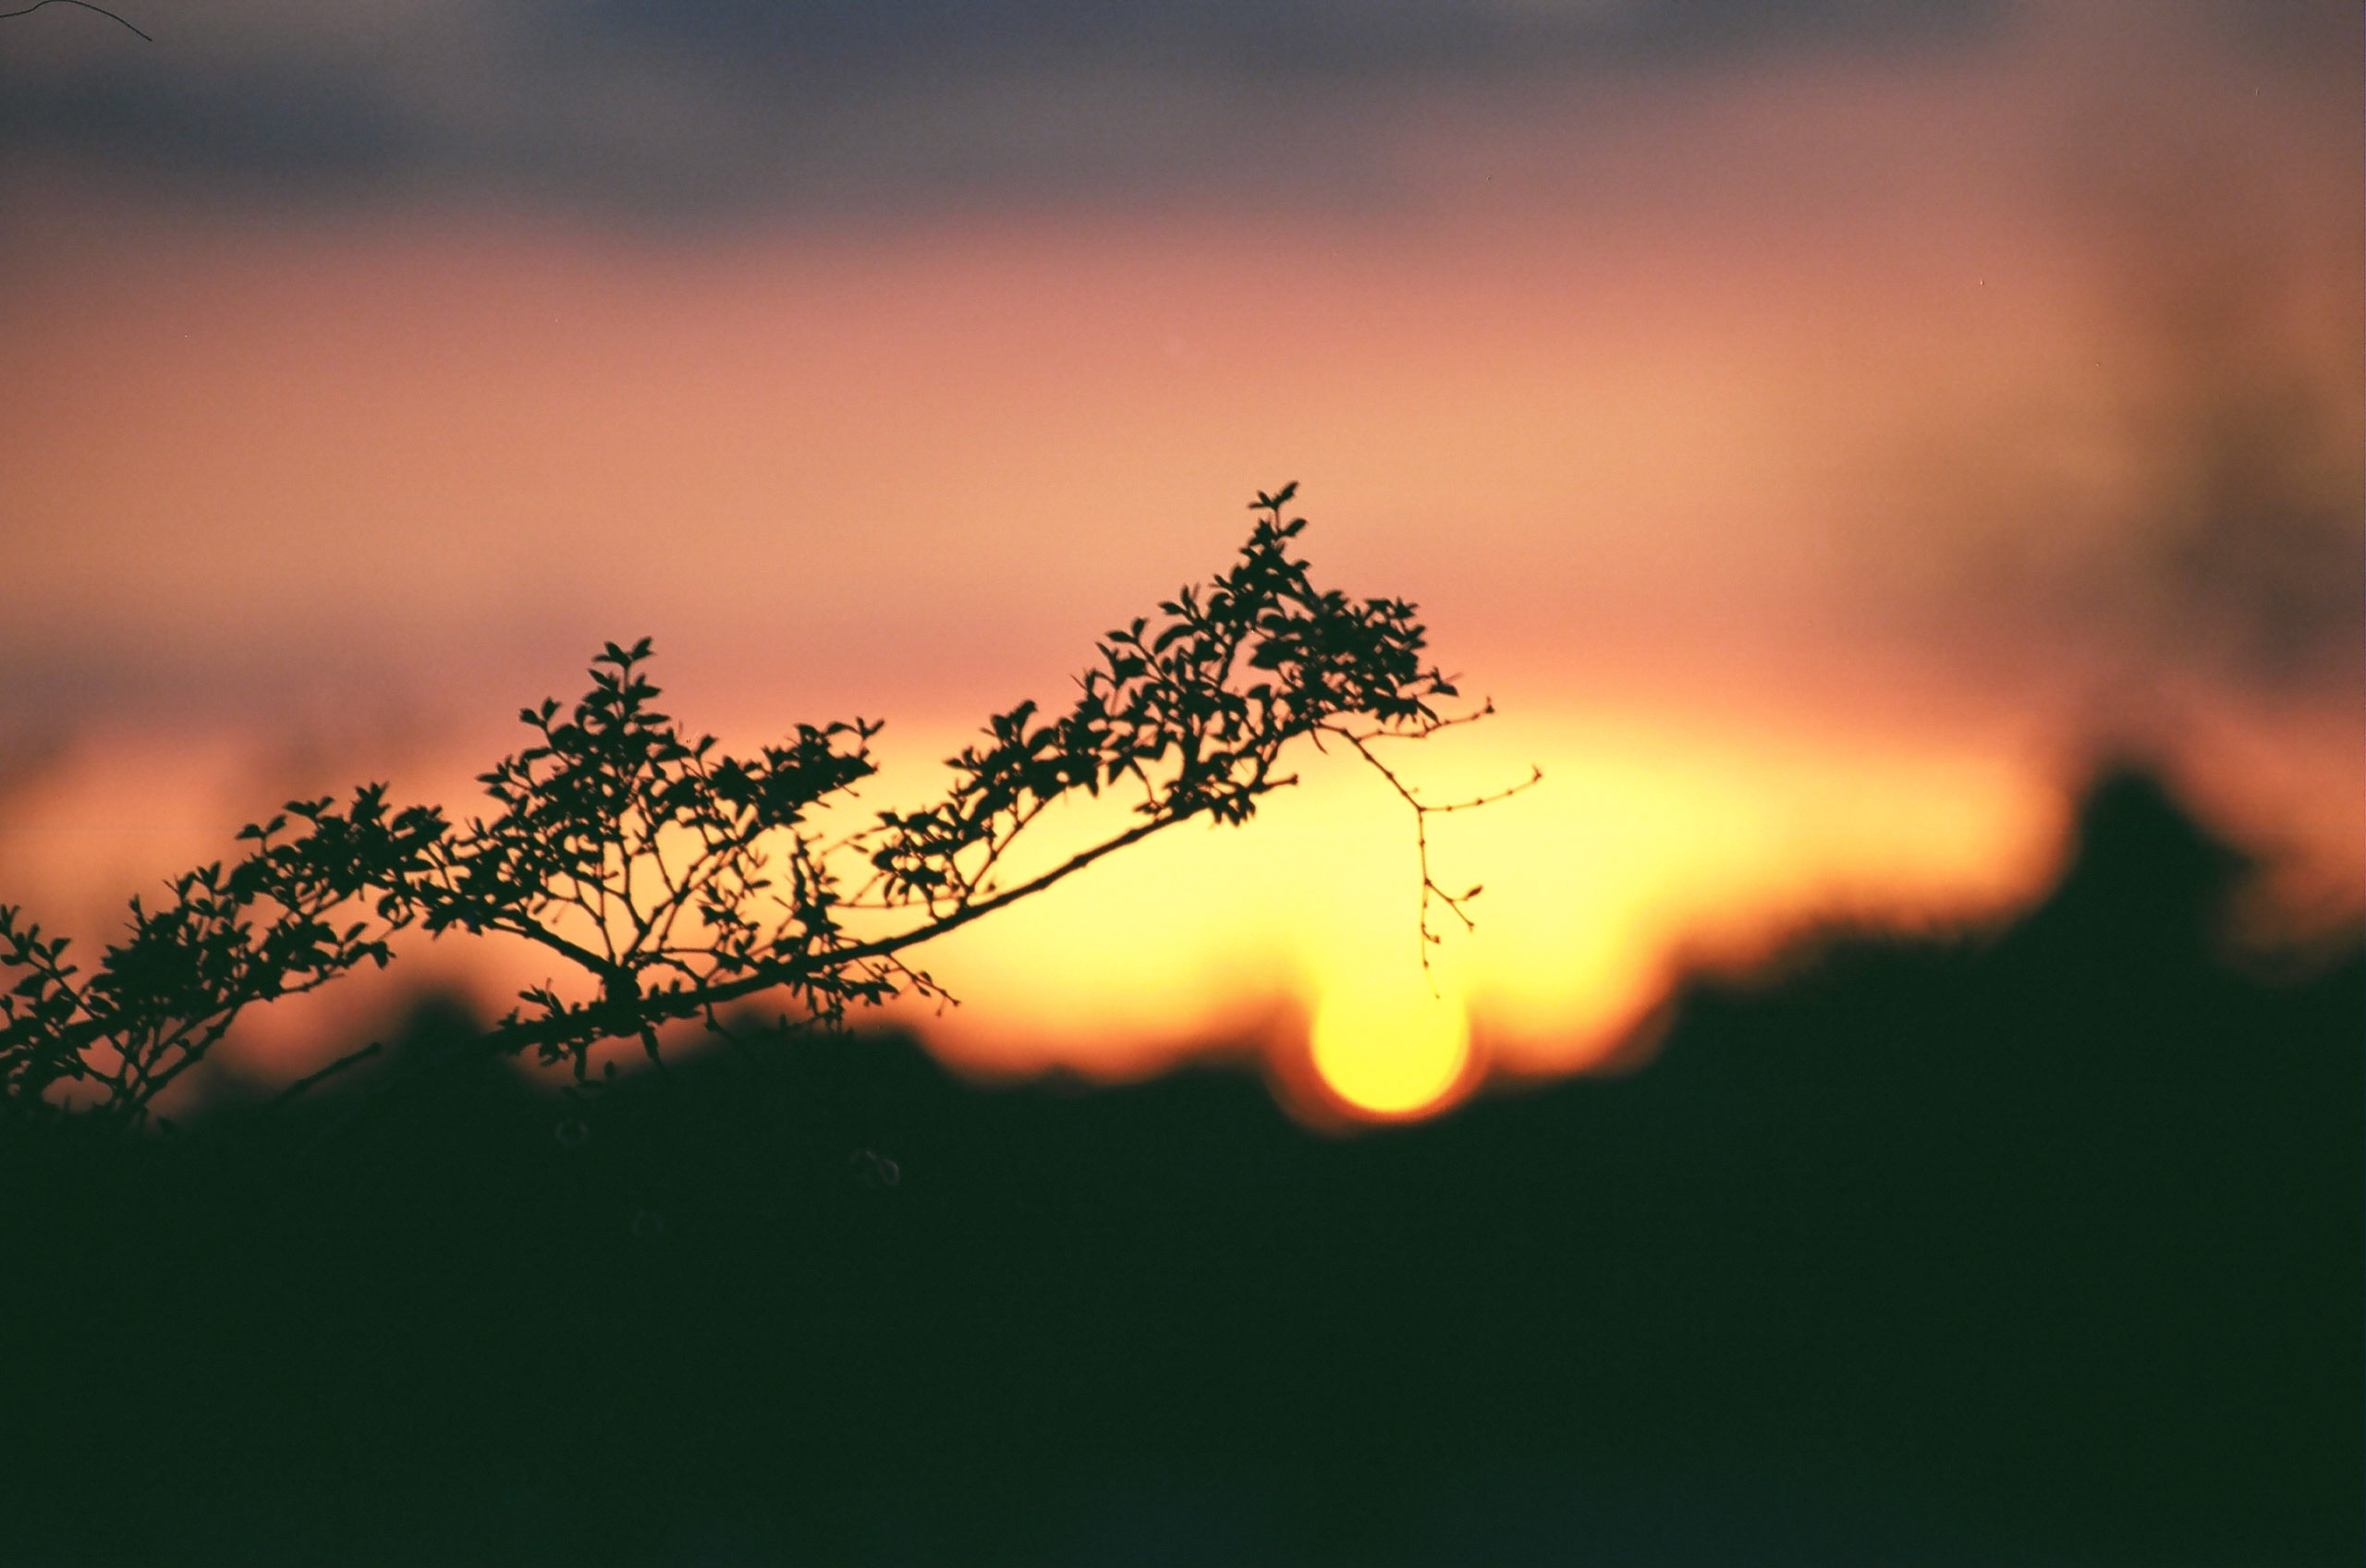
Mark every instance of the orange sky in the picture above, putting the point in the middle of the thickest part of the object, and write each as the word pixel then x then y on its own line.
pixel 1816 461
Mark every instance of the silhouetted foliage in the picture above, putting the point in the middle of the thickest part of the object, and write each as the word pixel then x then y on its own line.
pixel 167 993
pixel 680 879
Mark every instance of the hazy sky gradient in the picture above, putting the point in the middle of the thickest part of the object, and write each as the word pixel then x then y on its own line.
pixel 1819 426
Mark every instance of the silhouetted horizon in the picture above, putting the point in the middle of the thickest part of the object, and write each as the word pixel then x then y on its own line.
pixel 2041 1245
pixel 2141 869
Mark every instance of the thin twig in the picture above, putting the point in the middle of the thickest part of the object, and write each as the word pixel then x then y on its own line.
pixel 85 4
pixel 1422 811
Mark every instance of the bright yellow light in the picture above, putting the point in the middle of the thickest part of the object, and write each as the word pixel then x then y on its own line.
pixel 1388 1046
pixel 1651 844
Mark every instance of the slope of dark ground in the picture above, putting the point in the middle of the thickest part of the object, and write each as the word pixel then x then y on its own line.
pixel 2044 1249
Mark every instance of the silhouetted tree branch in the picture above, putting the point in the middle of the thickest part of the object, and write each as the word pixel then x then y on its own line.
pixel 679 879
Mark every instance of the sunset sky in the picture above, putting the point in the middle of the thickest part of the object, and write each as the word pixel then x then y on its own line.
pixel 1824 428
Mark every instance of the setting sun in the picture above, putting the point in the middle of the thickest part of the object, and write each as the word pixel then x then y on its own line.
pixel 1386 1045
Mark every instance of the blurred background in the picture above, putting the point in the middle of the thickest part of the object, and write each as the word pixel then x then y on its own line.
pixel 1896 470
pixel 1824 428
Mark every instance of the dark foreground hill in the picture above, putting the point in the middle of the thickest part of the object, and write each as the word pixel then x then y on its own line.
pixel 2043 1249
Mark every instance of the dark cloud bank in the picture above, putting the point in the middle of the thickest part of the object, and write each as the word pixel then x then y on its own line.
pixel 644 107
pixel 634 105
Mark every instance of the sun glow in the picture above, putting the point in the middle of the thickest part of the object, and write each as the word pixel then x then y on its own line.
pixel 1649 844
pixel 1386 1045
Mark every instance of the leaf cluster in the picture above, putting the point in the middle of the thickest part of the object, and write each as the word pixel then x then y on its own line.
pixel 659 866
pixel 1194 710
pixel 291 916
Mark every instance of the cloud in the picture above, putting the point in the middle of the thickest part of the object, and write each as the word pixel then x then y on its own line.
pixel 1300 40
pixel 2200 505
pixel 2255 547
pixel 263 123
pixel 650 106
